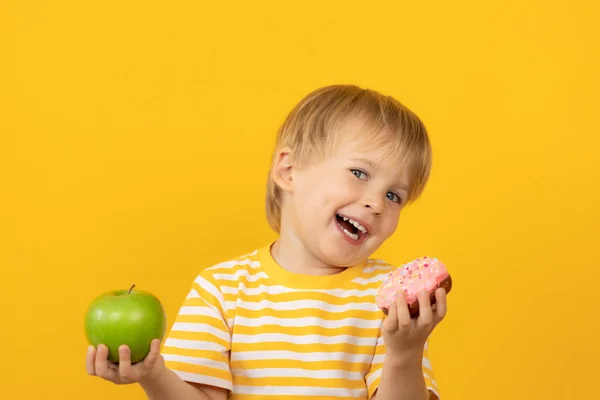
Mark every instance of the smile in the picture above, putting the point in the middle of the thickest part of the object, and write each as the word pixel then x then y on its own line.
pixel 353 229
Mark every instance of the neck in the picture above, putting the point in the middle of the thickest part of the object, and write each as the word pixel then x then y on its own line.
pixel 291 254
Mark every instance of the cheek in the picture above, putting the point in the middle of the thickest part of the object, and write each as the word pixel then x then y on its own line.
pixel 391 222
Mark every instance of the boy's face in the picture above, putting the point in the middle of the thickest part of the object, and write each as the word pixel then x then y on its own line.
pixel 344 207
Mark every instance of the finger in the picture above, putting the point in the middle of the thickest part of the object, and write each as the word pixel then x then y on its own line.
pixel 152 356
pixel 391 321
pixel 125 362
pixel 90 359
pixel 101 363
pixel 425 311
pixel 404 320
pixel 441 304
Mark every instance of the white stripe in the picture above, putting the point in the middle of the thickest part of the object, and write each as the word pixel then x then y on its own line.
pixel 207 380
pixel 303 304
pixel 233 263
pixel 308 321
pixel 292 355
pixel 378 267
pixel 373 376
pixel 378 359
pixel 304 339
pixel 434 391
pixel 298 373
pixel 236 277
pixel 198 327
pixel 196 361
pixel 433 382
pixel 299 390
pixel 212 289
pixel 374 279
pixel 278 289
pixel 199 310
pixel 195 345
pixel 193 294
pixel 427 364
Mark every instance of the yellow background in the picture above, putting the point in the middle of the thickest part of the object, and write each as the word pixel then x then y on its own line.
pixel 135 141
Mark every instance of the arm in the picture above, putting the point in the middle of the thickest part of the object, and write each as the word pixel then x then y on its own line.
pixel 169 386
pixel 402 380
pixel 197 349
pixel 196 368
pixel 401 370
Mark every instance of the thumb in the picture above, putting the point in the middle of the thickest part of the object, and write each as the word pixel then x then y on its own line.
pixel 154 354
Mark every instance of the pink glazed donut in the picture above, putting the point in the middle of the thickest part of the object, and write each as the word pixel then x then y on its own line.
pixel 423 273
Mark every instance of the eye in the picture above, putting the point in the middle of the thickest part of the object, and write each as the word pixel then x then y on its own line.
pixel 394 197
pixel 359 174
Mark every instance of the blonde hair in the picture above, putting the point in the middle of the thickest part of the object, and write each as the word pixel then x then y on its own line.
pixel 311 129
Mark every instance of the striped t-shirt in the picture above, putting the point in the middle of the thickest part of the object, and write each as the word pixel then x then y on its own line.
pixel 258 330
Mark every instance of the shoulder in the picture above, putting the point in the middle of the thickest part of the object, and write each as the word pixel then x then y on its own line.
pixel 245 261
pixel 372 274
pixel 375 268
pixel 229 271
pixel 379 264
pixel 215 283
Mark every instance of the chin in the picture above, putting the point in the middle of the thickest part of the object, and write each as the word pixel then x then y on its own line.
pixel 343 258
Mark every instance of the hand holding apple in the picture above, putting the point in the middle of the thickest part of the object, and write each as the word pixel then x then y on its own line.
pixel 133 318
pixel 148 370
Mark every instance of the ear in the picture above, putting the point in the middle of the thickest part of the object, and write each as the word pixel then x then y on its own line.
pixel 282 169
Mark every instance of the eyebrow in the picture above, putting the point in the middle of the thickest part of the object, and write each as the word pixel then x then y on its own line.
pixel 366 161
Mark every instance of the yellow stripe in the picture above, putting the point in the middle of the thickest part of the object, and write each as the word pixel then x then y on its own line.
pixel 212 321
pixel 374 385
pixel 262 397
pixel 208 298
pixel 295 296
pixel 296 381
pixel 200 336
pixel 244 272
pixel 211 355
pixel 304 348
pixel 307 312
pixel 313 366
pixel 347 285
pixel 380 349
pixel 302 330
pixel 235 266
pixel 429 383
pixel 199 369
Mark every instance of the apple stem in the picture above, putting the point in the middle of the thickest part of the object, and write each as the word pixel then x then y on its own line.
pixel 131 288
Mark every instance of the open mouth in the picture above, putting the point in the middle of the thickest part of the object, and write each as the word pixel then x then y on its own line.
pixel 351 228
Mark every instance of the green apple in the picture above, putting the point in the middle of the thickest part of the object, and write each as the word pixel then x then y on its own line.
pixel 130 317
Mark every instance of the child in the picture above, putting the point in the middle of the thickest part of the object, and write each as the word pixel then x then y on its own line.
pixel 297 319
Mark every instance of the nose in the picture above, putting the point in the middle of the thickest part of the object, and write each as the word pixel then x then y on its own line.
pixel 374 206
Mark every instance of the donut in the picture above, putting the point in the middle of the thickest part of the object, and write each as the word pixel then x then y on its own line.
pixel 423 273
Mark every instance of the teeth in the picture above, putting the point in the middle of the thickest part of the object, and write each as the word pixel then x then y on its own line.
pixel 358 226
pixel 352 235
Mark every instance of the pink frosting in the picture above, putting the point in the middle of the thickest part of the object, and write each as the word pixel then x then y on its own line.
pixel 422 273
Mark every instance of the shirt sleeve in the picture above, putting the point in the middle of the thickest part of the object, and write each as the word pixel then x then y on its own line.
pixel 373 377
pixel 198 345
